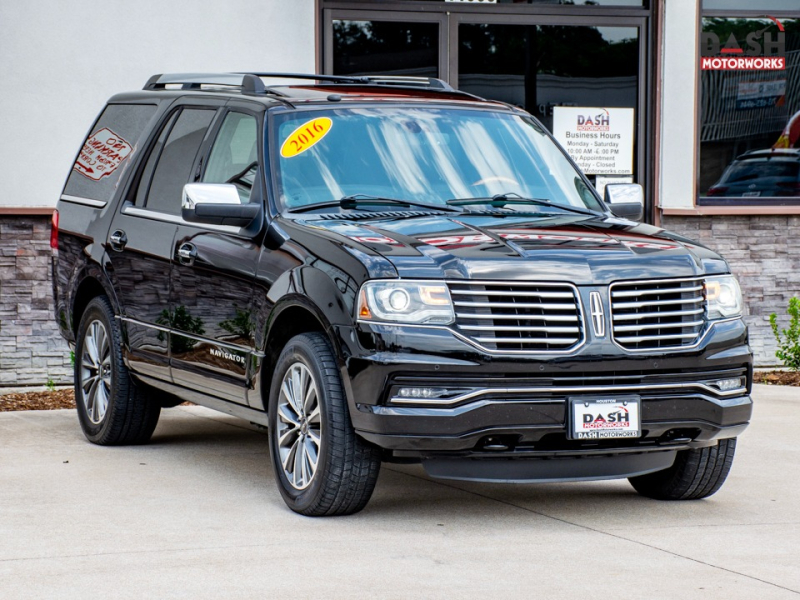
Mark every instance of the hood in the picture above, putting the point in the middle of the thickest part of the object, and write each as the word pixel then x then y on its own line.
pixel 575 248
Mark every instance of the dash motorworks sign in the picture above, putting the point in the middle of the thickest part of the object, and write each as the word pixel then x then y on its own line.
pixel 760 50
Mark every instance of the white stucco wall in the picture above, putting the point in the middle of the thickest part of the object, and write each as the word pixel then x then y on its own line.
pixel 60 62
pixel 678 96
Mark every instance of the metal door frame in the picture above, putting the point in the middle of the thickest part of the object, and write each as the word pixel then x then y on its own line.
pixel 449 18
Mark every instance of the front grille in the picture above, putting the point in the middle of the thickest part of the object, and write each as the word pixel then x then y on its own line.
pixel 518 316
pixel 665 314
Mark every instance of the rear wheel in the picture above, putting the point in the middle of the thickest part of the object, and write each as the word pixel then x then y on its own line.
pixel 322 467
pixel 112 410
pixel 695 474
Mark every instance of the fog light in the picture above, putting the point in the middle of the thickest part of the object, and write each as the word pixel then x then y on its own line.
pixel 726 385
pixel 423 392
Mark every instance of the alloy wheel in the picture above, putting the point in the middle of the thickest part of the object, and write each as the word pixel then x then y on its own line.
pixel 95 372
pixel 299 426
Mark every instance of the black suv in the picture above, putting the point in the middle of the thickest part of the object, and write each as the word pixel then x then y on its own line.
pixel 387 269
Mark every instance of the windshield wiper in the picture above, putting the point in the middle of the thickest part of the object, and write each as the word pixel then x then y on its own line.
pixel 356 200
pixel 502 200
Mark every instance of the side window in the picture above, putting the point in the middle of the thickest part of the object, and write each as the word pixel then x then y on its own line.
pixel 174 167
pixel 109 150
pixel 234 156
pixel 150 165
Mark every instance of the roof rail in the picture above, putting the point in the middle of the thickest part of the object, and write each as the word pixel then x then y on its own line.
pixel 193 81
pixel 407 80
pixel 251 82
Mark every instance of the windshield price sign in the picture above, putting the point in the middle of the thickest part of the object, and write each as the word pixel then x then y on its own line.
pixel 600 140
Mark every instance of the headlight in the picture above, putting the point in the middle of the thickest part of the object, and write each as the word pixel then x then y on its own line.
pixel 723 297
pixel 423 302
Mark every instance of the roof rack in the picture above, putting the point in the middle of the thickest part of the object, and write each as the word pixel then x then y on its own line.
pixel 251 83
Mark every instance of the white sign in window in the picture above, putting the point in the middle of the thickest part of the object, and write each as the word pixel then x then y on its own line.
pixel 599 139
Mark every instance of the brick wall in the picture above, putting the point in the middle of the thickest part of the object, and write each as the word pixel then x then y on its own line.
pixel 764 253
pixel 31 350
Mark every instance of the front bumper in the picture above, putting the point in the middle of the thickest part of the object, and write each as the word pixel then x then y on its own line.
pixel 514 409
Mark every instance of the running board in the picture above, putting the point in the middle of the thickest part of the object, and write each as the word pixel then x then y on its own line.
pixel 253 415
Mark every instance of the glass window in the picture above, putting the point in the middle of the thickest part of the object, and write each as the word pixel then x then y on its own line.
pixel 385 48
pixel 234 156
pixel 127 122
pixel 174 168
pixel 152 160
pixel 537 67
pixel 773 5
pixel 750 119
pixel 426 155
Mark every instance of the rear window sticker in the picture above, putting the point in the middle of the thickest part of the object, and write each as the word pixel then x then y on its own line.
pixel 305 136
pixel 101 154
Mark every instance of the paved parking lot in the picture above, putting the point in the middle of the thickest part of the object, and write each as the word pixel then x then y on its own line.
pixel 196 514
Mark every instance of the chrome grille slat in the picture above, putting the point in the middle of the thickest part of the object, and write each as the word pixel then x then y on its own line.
pixel 520 328
pixel 515 305
pixel 518 293
pixel 640 293
pixel 623 305
pixel 512 340
pixel 559 318
pixel 518 317
pixel 674 313
pixel 654 326
pixel 657 314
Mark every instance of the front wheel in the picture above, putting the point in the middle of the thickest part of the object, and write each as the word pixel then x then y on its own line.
pixel 695 474
pixel 322 467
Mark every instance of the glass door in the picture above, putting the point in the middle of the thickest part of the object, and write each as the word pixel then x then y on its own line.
pixel 540 63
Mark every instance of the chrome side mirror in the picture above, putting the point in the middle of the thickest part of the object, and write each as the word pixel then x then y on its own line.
pixel 625 200
pixel 216 204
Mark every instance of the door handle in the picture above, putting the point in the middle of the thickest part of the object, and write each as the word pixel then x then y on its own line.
pixel 117 240
pixel 186 254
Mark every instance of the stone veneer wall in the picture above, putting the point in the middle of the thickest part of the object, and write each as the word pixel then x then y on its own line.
pixel 764 253
pixel 31 350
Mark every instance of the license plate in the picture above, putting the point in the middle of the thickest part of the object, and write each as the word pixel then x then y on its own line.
pixel 605 418
pixel 751 194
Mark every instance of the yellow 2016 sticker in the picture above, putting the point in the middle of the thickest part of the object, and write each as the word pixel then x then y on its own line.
pixel 305 136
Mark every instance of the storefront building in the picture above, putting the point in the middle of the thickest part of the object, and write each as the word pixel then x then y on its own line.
pixel 717 150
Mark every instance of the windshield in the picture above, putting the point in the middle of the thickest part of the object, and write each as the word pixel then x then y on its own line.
pixel 425 155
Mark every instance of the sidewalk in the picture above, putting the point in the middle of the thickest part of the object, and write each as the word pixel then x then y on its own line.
pixel 196 514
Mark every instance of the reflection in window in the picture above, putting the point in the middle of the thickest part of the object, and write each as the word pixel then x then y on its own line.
pixel 427 155
pixel 385 47
pixel 537 67
pixel 750 120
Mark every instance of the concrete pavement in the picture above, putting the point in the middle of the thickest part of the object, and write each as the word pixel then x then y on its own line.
pixel 196 514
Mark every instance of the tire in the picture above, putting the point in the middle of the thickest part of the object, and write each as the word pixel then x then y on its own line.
pixel 695 474
pixel 347 467
pixel 112 409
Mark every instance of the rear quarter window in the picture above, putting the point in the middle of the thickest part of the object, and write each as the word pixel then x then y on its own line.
pixel 109 150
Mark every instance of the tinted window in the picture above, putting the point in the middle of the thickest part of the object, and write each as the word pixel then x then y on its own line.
pixel 234 155
pixel 174 168
pixel 150 165
pixel 108 150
